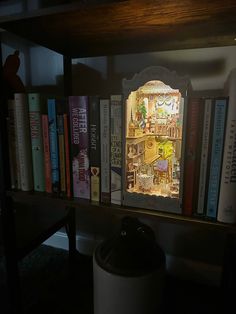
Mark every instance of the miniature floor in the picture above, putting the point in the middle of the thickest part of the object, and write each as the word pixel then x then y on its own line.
pixel 48 287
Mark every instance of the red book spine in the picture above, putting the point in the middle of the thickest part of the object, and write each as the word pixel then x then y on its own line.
pixel 47 160
pixel 67 155
pixel 191 152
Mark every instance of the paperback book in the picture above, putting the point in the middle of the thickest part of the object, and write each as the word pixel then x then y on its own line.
pixel 116 148
pixel 79 144
pixel 36 141
pixel 53 142
pixel 227 199
pixel 95 158
pixel 13 146
pixel 23 141
pixel 47 158
pixel 105 150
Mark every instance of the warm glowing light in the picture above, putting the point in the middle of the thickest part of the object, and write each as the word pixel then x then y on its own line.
pixel 153 140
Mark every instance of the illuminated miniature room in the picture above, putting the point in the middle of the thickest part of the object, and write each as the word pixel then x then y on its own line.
pixel 154 122
pixel 153 140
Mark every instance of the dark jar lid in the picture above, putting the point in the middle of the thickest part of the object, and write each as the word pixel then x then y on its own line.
pixel 132 251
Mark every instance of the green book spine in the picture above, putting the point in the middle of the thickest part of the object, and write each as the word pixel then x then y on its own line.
pixel 36 141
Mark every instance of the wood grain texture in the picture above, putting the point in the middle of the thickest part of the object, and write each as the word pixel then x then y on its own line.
pixel 95 210
pixel 129 26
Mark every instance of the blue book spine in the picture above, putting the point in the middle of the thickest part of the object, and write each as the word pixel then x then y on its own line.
pixel 52 121
pixel 216 157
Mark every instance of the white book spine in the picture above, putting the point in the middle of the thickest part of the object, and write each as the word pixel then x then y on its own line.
pixel 23 141
pixel 227 198
pixel 204 155
pixel 105 150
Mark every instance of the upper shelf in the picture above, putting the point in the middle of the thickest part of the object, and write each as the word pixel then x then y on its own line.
pixel 130 26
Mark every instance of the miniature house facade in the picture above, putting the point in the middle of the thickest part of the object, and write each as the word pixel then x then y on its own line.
pixel 154 115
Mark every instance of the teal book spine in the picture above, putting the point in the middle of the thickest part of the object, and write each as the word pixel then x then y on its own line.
pixel 216 157
pixel 53 143
pixel 36 141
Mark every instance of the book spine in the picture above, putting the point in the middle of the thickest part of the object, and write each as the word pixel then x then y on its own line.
pixel 53 142
pixel 74 124
pixel 95 162
pixel 61 148
pixel 23 141
pixel 84 169
pixel 205 152
pixel 36 141
pixel 227 199
pixel 47 158
pixel 67 155
pixel 116 148
pixel 105 150
pixel 193 118
pixel 216 157
pixel 13 147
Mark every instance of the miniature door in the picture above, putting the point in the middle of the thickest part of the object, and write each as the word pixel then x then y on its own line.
pixel 154 134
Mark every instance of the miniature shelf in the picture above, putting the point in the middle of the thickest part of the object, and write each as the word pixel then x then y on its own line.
pixel 118 27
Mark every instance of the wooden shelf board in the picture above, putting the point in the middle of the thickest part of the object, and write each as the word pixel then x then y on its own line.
pixel 120 27
pixel 34 222
pixel 81 205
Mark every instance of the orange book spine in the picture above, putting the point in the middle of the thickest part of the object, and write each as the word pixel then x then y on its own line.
pixel 67 155
pixel 47 160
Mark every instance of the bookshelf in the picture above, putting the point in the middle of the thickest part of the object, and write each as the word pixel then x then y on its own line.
pixel 129 26
pixel 112 209
pixel 118 27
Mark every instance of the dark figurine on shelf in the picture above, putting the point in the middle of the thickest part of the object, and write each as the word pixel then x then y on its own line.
pixel 12 83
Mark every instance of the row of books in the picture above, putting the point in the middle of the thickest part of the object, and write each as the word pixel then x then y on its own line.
pixel 206 121
pixel 210 156
pixel 55 146
pixel 73 147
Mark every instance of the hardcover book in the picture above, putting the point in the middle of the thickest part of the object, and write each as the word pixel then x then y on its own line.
pixel 36 141
pixel 95 158
pixel 105 150
pixel 220 110
pixel 53 142
pixel 191 152
pixel 61 148
pixel 23 141
pixel 227 199
pixel 204 157
pixel 13 146
pixel 116 148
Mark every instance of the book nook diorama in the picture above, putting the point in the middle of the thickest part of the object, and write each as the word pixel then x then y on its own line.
pixel 154 139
